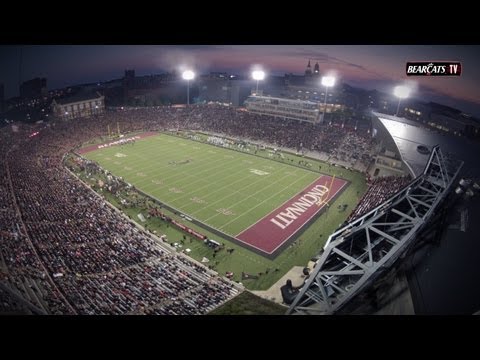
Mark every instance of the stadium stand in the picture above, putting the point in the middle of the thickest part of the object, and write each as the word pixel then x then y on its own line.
pixel 379 190
pixel 68 252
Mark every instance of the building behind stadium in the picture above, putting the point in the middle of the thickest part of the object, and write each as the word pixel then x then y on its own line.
pixel 80 105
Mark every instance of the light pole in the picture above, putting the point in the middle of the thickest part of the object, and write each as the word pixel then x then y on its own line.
pixel 188 75
pixel 402 92
pixel 258 75
pixel 327 81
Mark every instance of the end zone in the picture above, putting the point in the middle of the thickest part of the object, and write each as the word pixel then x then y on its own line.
pixel 275 229
pixel 125 140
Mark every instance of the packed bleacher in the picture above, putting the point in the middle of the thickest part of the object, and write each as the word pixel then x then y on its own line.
pixel 66 251
pixel 337 142
pixel 379 190
pixel 74 254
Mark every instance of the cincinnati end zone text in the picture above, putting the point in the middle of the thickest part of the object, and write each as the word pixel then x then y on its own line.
pixel 275 229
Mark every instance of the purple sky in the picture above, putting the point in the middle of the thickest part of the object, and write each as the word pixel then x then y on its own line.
pixel 368 66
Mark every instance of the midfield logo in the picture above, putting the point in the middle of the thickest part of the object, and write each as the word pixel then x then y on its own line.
pixel 434 68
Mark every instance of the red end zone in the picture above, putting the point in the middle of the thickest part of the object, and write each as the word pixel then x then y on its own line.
pixel 123 140
pixel 273 230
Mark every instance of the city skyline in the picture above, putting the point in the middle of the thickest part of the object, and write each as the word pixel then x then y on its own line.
pixel 370 67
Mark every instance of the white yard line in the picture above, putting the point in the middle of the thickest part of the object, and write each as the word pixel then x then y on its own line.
pixel 240 190
pixel 279 206
pixel 246 212
pixel 307 220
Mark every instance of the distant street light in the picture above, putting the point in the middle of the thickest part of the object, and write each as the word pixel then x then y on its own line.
pixel 188 75
pixel 258 75
pixel 327 81
pixel 402 92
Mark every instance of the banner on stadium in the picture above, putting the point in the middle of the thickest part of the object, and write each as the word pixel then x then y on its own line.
pixel 188 230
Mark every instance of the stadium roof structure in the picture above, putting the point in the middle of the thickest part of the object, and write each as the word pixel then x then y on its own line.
pixel 360 252
pixel 409 136
pixel 78 98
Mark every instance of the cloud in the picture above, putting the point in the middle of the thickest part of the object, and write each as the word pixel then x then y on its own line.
pixel 321 57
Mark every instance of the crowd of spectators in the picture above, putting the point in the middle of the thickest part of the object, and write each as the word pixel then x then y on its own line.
pixel 65 250
pixel 337 142
pixel 352 149
pixel 379 190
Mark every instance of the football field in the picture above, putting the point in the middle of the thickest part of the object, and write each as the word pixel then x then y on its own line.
pixel 260 202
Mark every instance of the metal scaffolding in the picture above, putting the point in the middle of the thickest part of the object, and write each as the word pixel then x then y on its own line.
pixel 358 253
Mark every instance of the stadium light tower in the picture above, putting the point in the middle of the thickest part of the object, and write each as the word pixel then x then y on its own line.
pixel 258 75
pixel 402 92
pixel 327 81
pixel 188 75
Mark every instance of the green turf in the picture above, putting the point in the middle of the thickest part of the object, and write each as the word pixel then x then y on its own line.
pixel 249 304
pixel 242 259
pixel 216 186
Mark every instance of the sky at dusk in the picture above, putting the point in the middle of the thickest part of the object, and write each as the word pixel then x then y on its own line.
pixel 378 67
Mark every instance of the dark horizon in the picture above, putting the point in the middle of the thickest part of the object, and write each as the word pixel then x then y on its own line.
pixel 379 67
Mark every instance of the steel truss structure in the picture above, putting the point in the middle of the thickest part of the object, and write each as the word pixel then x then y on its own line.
pixel 358 253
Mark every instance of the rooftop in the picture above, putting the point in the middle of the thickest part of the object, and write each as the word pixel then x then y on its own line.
pixel 78 98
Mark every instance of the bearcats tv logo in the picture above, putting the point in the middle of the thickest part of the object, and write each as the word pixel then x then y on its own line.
pixel 434 68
